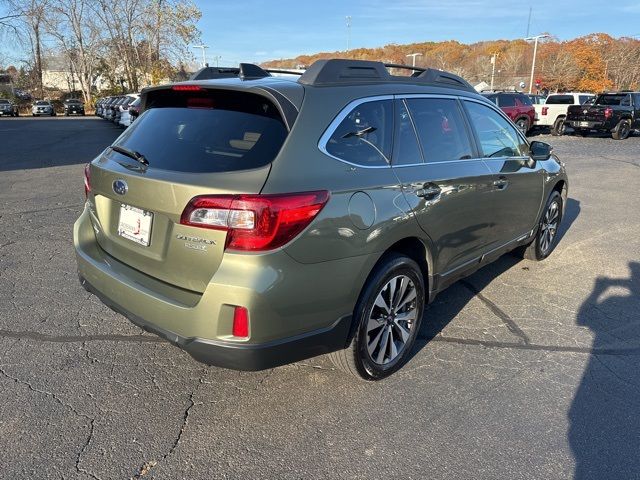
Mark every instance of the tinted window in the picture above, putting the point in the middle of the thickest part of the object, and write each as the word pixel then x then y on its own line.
pixel 584 98
pixel 497 136
pixel 42 102
pixel 3 100
pixel 406 150
pixel 364 137
pixel 506 101
pixel 493 98
pixel 611 99
pixel 205 132
pixel 523 100
pixel 560 100
pixel 441 129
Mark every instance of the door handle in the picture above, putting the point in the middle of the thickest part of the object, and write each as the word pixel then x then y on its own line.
pixel 429 190
pixel 501 183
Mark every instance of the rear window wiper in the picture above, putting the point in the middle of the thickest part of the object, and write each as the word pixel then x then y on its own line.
pixel 131 154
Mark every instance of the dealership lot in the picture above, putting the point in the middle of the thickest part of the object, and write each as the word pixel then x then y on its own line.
pixel 524 370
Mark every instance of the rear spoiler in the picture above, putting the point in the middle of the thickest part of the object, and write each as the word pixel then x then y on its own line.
pixel 246 71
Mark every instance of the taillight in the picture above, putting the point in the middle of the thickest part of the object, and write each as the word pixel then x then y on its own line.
pixel 87 180
pixel 240 322
pixel 255 222
pixel 608 112
pixel 545 110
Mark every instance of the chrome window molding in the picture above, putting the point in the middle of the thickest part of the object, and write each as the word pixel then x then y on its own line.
pixel 324 139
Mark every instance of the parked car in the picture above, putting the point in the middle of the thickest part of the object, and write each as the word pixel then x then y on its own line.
pixel 73 106
pixel 100 106
pixel 123 106
pixel 125 117
pixel 134 110
pixel 554 112
pixel 7 107
pixel 43 107
pixel 253 229
pixel 517 106
pixel 616 113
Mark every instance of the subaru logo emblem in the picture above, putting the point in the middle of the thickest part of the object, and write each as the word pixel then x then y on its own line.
pixel 120 187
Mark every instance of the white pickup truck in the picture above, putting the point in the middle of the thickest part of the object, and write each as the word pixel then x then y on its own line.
pixel 553 112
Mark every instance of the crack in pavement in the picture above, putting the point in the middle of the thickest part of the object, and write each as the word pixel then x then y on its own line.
pixel 43 337
pixel 533 346
pixel 506 319
pixel 65 405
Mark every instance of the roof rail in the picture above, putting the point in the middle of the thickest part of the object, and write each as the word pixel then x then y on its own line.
pixel 280 70
pixel 246 71
pixel 349 72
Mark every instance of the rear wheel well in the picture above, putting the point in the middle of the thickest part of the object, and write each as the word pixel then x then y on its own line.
pixel 416 250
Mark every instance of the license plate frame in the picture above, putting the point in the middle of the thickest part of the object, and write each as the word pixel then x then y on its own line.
pixel 135 224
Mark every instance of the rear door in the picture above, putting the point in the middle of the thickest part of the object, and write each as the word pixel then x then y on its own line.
pixel 196 142
pixel 517 182
pixel 446 186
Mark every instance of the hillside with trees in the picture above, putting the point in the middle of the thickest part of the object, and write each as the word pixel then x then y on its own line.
pixel 594 62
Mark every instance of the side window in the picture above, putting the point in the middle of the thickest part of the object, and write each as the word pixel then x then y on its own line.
pixel 406 150
pixel 441 129
pixel 523 101
pixel 506 101
pixel 497 136
pixel 626 101
pixel 365 135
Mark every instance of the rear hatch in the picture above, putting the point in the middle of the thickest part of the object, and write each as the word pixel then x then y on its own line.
pixel 196 142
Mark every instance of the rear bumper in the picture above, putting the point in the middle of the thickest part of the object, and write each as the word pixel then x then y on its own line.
pixel 251 357
pixel 591 125
pixel 296 310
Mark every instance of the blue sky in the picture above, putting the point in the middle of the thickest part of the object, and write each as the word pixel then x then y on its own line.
pixel 254 30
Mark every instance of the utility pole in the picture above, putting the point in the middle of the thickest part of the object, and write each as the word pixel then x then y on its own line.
pixel 413 56
pixel 217 59
pixel 529 22
pixel 535 51
pixel 204 58
pixel 348 19
pixel 494 59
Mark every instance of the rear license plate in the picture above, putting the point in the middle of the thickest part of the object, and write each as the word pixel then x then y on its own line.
pixel 584 124
pixel 135 224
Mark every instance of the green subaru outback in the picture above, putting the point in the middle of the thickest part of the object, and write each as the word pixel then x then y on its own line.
pixel 260 220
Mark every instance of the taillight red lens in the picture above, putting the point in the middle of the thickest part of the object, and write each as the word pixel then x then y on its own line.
pixel 255 222
pixel 87 180
pixel 545 110
pixel 186 88
pixel 608 112
pixel 240 322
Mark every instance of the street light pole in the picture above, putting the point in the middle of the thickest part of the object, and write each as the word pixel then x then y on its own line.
pixel 348 19
pixel 535 51
pixel 413 56
pixel 494 59
pixel 203 48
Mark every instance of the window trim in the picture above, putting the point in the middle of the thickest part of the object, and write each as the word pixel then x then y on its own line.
pixel 346 110
pixel 335 123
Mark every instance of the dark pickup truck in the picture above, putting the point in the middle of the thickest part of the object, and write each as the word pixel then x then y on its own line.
pixel 615 113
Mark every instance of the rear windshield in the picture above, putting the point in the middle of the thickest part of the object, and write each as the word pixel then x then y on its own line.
pixel 42 102
pixel 3 100
pixel 560 100
pixel 612 99
pixel 205 131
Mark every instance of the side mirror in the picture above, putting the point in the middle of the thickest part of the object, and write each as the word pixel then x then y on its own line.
pixel 540 151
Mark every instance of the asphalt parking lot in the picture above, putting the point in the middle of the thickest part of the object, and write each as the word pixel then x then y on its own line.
pixel 523 371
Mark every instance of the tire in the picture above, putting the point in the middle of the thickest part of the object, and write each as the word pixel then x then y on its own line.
pixel 375 321
pixel 523 125
pixel 558 127
pixel 622 130
pixel 546 237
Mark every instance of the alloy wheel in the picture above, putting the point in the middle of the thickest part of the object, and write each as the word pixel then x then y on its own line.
pixel 391 319
pixel 549 226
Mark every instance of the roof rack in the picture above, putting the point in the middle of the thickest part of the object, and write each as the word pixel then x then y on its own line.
pixel 349 72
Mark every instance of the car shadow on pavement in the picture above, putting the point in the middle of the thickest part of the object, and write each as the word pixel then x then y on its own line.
pixel 604 418
pixel 451 301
